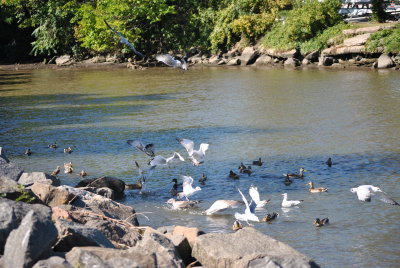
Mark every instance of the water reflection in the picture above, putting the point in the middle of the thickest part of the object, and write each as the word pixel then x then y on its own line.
pixel 289 118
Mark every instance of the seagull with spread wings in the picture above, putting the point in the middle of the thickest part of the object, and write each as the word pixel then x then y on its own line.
pixel 249 212
pixel 144 175
pixel 188 189
pixel 161 160
pixel 255 196
pixel 196 156
pixel 124 40
pixel 365 192
pixel 171 61
pixel 147 149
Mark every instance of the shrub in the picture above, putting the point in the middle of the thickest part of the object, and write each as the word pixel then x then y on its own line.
pixel 389 39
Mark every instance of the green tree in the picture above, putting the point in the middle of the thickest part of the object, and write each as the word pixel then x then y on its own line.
pixel 378 10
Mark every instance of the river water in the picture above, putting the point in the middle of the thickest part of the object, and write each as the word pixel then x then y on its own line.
pixel 289 118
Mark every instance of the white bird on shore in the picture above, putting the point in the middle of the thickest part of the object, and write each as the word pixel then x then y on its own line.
pixel 147 149
pixel 364 193
pixel 249 212
pixel 221 205
pixel 255 196
pixel 160 160
pixel 197 157
pixel 170 61
pixel 181 204
pixel 287 204
pixel 188 190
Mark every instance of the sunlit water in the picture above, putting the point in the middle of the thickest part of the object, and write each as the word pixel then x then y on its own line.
pixel 289 118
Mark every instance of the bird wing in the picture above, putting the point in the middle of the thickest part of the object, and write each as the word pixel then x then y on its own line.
pixel 244 200
pixel 253 192
pixel 176 155
pixel 187 182
pixel 252 207
pixel 137 144
pixel 124 40
pixel 139 169
pixel 158 160
pixel 384 197
pixel 188 144
pixel 167 59
pixel 204 147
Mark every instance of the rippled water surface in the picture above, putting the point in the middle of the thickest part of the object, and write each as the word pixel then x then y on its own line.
pixel 289 118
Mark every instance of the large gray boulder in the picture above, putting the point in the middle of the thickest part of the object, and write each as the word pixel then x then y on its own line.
pixel 53 262
pixel 8 186
pixel 292 62
pixel 156 244
pixel 28 179
pixel 64 60
pixel 77 235
pixel 111 258
pixel 247 248
pixel 264 60
pixel 30 242
pixel 249 56
pixel 50 195
pixel 100 205
pixel 9 170
pixel 11 215
pixel 117 185
pixel 385 61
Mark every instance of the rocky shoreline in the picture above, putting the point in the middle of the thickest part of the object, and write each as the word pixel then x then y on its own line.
pixel 57 225
pixel 351 53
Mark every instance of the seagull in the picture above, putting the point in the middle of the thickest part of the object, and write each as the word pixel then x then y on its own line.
pixel 197 157
pixel 170 61
pixel 147 149
pixel 124 40
pixel 255 196
pixel 188 190
pixel 221 205
pixel 364 193
pixel 249 212
pixel 144 176
pixel 181 204
pixel 288 204
pixel 160 160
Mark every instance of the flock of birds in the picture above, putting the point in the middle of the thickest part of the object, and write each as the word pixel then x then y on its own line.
pixel 197 157
pixel 165 58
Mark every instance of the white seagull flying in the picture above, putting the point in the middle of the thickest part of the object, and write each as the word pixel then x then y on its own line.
pixel 364 193
pixel 197 157
pixel 221 205
pixel 124 40
pixel 160 160
pixel 249 212
pixel 255 196
pixel 171 61
pixel 287 203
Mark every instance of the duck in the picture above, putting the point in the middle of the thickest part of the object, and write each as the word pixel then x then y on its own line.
pixel 247 171
pixel 287 181
pixel 203 179
pixel 134 186
pixel 287 203
pixel 28 151
pixel 241 167
pixel 320 223
pixel 68 150
pixel 174 190
pixel 329 162
pixel 233 175
pixel 270 217
pixel 312 189
pixel 258 162
pixel 82 173
pixel 56 171
pixel 53 146
pixel 237 225
pixel 68 168
pixel 295 175
pixel 181 204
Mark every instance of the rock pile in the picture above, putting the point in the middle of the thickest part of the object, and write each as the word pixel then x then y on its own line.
pixel 73 227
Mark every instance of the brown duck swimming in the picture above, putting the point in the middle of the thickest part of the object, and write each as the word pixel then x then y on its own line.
pixel 258 162
pixel 295 175
pixel 233 175
pixel 312 189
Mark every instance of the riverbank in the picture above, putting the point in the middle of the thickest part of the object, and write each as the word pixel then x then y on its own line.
pixel 55 225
